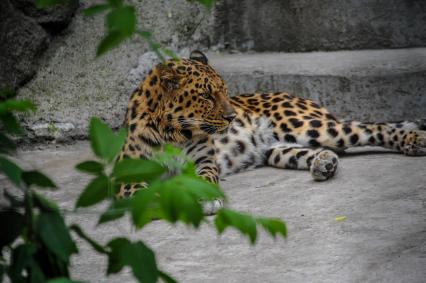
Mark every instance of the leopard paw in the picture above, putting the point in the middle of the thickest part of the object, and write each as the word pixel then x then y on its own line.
pixel 415 143
pixel 212 207
pixel 324 165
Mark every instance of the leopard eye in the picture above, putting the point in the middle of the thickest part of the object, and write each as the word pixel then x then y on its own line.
pixel 206 95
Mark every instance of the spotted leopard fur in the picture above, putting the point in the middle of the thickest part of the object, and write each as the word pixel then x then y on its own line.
pixel 185 103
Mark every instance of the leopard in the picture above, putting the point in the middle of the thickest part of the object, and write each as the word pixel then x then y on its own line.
pixel 185 103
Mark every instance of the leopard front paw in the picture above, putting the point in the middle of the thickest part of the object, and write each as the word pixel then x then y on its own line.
pixel 212 207
pixel 415 144
pixel 324 165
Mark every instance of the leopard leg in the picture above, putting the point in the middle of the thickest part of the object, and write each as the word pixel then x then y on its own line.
pixel 322 163
pixel 415 140
pixel 202 152
pixel 133 148
pixel 415 143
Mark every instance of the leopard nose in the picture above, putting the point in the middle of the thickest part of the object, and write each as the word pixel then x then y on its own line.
pixel 229 117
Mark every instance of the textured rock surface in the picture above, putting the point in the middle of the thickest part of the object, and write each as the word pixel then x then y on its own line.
pixel 22 42
pixel 53 19
pixel 304 25
pixel 25 32
pixel 73 85
pixel 367 85
pixel 383 239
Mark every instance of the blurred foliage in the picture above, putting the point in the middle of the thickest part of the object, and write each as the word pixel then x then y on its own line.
pixel 37 244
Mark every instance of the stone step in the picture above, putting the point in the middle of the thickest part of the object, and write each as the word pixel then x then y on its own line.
pixel 306 25
pixel 369 85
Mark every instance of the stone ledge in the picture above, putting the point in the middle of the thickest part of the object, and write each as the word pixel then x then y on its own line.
pixel 369 85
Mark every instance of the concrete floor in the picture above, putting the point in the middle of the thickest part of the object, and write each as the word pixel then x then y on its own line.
pixel 383 239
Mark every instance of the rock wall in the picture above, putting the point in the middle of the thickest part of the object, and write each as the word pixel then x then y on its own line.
pixel 25 32
pixel 306 25
pixel 72 85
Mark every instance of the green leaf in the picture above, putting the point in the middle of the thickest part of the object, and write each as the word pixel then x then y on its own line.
pixel 137 256
pixel 141 260
pixel 145 207
pixel 178 203
pixel 190 169
pixel 180 198
pixel 6 144
pixel 121 24
pixel 145 34
pixel 7 93
pixel 111 41
pixel 12 223
pixel 38 179
pixel 22 256
pixel 202 189
pixel 165 277
pixel 170 157
pixel 207 3
pixel 95 245
pixel 117 210
pixel 244 223
pixel 54 233
pixel 41 4
pixel 115 259
pixel 273 226
pixel 115 3
pixel 96 191
pixel 95 9
pixel 44 204
pixel 11 170
pixel 170 53
pixel 122 20
pixel 36 274
pixel 137 170
pixel 92 167
pixel 11 125
pixel 104 142
pixel 16 105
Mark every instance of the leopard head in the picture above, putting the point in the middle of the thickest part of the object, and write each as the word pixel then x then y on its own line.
pixel 187 98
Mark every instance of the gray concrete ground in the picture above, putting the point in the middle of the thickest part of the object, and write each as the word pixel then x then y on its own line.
pixel 383 239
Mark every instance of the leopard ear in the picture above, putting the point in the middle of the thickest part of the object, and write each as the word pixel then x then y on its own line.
pixel 169 78
pixel 199 56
